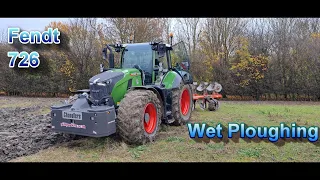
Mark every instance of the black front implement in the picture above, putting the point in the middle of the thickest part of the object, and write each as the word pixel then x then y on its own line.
pixel 83 118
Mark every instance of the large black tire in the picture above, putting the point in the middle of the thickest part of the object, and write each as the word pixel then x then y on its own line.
pixel 181 117
pixel 131 113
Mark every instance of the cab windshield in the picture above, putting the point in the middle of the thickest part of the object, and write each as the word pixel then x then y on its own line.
pixel 138 54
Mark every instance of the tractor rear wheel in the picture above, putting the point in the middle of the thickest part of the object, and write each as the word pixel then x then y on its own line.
pixel 139 117
pixel 182 103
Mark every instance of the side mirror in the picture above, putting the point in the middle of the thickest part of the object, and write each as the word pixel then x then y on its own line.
pixel 111 60
pixel 161 50
pixel 110 56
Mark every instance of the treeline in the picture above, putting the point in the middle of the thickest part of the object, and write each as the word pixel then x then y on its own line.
pixel 253 58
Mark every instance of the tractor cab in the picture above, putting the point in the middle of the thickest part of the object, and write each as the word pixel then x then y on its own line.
pixel 152 59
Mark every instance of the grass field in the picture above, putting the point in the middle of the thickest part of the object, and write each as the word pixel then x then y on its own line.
pixel 175 145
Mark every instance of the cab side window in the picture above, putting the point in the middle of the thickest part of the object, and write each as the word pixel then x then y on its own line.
pixel 163 61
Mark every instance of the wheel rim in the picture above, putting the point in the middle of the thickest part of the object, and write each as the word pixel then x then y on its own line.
pixel 150 118
pixel 185 102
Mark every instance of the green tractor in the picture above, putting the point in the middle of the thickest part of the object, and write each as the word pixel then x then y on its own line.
pixel 134 99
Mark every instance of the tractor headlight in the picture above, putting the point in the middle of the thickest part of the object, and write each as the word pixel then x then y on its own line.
pixel 108 81
pixel 101 84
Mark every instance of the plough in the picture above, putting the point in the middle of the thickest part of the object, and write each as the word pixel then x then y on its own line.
pixel 207 95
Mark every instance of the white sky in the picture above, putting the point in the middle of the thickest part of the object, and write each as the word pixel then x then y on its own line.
pixel 28 24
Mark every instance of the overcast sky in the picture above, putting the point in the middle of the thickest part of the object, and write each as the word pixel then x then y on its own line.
pixel 28 24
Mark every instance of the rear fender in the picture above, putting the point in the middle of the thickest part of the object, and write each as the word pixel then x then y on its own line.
pixel 172 80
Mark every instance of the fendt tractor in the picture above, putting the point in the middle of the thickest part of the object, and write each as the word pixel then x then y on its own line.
pixel 134 99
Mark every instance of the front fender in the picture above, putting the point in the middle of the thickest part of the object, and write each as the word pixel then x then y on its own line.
pixel 156 90
pixel 151 88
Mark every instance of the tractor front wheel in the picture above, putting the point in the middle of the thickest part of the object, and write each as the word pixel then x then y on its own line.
pixel 139 117
pixel 182 104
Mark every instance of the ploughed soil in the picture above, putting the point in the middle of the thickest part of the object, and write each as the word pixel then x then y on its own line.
pixel 25 126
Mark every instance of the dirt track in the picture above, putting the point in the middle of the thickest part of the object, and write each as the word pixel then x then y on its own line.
pixel 25 130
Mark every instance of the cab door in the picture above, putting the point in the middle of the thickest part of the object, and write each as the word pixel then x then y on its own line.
pixel 180 60
pixel 161 66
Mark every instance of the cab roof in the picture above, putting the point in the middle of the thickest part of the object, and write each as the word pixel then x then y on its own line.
pixel 140 44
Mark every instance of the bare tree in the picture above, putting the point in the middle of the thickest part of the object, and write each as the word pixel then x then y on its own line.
pixel 282 30
pixel 118 29
pixel 85 48
pixel 260 36
pixel 221 35
pixel 189 30
pixel 141 29
pixel 168 28
pixel 218 42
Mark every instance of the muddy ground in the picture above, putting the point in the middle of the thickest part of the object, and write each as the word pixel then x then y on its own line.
pixel 25 126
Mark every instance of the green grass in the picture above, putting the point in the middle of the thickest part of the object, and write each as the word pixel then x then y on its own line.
pixel 175 145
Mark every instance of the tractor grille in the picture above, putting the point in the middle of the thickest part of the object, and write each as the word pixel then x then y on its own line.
pixel 98 91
